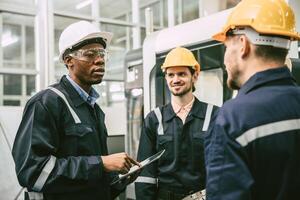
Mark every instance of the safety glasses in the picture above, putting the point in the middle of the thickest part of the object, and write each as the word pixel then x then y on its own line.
pixel 89 55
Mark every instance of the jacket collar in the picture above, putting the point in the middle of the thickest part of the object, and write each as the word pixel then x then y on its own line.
pixel 198 110
pixel 264 77
pixel 73 94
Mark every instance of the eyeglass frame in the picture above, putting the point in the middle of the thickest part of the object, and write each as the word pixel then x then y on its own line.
pixel 92 59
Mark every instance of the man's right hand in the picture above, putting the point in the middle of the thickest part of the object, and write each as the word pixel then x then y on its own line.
pixel 119 162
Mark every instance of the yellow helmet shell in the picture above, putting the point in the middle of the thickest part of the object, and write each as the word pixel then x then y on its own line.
pixel 180 56
pixel 272 17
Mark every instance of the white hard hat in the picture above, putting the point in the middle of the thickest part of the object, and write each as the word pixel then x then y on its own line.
pixel 79 34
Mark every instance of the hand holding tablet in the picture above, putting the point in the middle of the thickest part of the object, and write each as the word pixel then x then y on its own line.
pixel 136 168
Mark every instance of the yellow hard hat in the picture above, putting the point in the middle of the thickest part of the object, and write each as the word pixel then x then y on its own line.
pixel 180 56
pixel 271 17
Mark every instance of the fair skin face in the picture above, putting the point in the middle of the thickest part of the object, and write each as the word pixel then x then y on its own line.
pixel 85 74
pixel 241 62
pixel 180 82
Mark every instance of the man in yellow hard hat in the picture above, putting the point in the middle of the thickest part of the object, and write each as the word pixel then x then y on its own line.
pixel 254 152
pixel 179 128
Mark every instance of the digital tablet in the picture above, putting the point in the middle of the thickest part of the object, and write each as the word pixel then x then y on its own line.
pixel 143 164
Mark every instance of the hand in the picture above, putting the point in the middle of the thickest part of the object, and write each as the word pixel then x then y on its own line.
pixel 119 162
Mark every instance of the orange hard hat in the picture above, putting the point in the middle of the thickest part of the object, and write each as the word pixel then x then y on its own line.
pixel 269 17
pixel 180 56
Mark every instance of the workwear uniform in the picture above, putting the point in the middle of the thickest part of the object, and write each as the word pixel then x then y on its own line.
pixel 58 146
pixel 180 171
pixel 255 141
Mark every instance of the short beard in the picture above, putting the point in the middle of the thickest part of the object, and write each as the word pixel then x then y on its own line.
pixel 184 92
pixel 232 84
pixel 93 82
pixel 96 82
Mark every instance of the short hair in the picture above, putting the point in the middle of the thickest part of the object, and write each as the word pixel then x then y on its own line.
pixel 271 53
pixel 192 72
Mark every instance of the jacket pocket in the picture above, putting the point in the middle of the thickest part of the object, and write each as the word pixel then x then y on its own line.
pixel 79 130
pixel 80 139
pixel 165 142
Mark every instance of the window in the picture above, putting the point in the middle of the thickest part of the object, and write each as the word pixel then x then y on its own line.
pixel 211 57
pixel 117 9
pixel 77 7
pixel 110 92
pixel 17 69
pixel 231 3
pixel 60 23
pixel 30 43
pixel 157 11
pixel 12 84
pixel 18 41
pixel 120 44
pixel 209 7
pixel 11 103
pixel 190 10
pixel 11 43
pixel 30 85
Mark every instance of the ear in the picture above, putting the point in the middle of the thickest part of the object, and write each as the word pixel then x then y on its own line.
pixel 69 62
pixel 195 76
pixel 245 46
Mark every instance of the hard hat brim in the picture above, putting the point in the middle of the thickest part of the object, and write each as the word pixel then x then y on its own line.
pixel 221 37
pixel 195 67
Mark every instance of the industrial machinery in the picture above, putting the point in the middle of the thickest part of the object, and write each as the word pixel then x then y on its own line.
pixel 134 105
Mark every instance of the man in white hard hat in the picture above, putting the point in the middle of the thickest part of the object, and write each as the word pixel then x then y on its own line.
pixel 60 149
pixel 179 128
pixel 254 151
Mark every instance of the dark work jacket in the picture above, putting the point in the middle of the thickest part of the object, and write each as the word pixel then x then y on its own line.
pixel 254 151
pixel 48 132
pixel 181 168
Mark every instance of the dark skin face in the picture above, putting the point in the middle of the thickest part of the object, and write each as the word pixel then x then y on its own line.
pixel 86 73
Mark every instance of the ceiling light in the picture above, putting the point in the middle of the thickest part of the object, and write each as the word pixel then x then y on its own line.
pixel 136 92
pixel 118 97
pixel 8 39
pixel 83 4
pixel 56 58
pixel 115 88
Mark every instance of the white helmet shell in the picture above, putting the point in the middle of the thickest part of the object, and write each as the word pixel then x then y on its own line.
pixel 79 32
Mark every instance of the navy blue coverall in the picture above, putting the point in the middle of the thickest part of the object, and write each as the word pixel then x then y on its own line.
pixel 180 171
pixel 254 148
pixel 57 155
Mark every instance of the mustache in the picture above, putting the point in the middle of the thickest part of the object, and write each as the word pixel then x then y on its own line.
pixel 177 84
pixel 99 69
